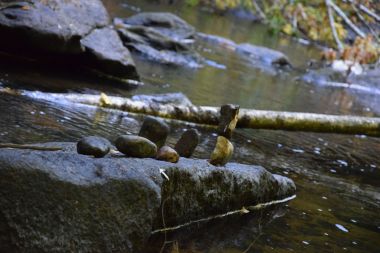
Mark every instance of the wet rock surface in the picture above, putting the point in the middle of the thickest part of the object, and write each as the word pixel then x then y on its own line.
pixel 160 37
pixel 94 146
pixel 106 51
pixel 155 130
pixel 111 204
pixel 65 32
pixel 166 23
pixel 187 143
pixel 136 146
pixel 167 154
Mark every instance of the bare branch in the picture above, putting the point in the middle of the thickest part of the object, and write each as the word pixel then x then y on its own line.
pixel 346 19
pixel 364 22
pixel 369 12
pixel 332 25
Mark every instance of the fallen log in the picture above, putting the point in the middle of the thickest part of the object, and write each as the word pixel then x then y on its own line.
pixel 248 118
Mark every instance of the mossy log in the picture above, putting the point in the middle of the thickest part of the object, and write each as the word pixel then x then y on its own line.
pixel 248 118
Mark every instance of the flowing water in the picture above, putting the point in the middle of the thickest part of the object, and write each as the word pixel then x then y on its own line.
pixel 337 208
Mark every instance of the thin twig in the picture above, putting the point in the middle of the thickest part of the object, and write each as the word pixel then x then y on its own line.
pixel 250 208
pixel 257 237
pixel 332 25
pixel 164 225
pixel 346 19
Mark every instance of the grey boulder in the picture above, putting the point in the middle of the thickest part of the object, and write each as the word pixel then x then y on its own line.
pixel 64 202
pixel 65 32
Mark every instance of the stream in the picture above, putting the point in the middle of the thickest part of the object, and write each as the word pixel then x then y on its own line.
pixel 337 208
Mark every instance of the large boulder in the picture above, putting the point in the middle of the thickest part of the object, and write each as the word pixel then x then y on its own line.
pixel 63 31
pixel 65 202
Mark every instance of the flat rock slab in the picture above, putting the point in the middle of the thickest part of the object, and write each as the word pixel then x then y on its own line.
pixel 61 201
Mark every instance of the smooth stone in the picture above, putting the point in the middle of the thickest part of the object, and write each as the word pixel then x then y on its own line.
pixel 136 146
pixel 155 130
pixel 167 154
pixel 93 145
pixel 187 143
pixel 228 119
pixel 222 153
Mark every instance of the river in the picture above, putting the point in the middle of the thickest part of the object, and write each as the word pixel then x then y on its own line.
pixel 337 208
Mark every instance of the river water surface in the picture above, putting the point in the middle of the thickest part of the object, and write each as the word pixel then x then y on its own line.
pixel 337 208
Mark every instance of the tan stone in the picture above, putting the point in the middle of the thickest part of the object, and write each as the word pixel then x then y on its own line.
pixel 222 153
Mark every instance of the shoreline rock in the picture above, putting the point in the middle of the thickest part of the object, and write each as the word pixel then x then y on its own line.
pixel 65 32
pixel 110 203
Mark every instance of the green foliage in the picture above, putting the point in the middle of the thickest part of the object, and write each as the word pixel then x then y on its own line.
pixel 306 18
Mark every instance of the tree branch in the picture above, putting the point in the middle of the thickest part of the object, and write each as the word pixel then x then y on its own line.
pixel 346 19
pixel 332 25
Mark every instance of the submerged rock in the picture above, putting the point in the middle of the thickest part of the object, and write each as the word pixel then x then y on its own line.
pixel 187 143
pixel 155 130
pixel 223 152
pixel 262 54
pixel 64 32
pixel 112 204
pixel 167 154
pixel 94 145
pixel 136 146
pixel 265 59
pixel 167 98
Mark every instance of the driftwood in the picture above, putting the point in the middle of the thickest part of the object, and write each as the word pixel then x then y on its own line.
pixel 248 118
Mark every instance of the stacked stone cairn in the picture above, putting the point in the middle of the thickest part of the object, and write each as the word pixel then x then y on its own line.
pixel 224 149
pixel 149 143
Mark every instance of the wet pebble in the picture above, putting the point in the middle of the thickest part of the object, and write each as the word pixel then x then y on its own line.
pixel 222 153
pixel 167 154
pixel 155 130
pixel 187 143
pixel 136 146
pixel 93 145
